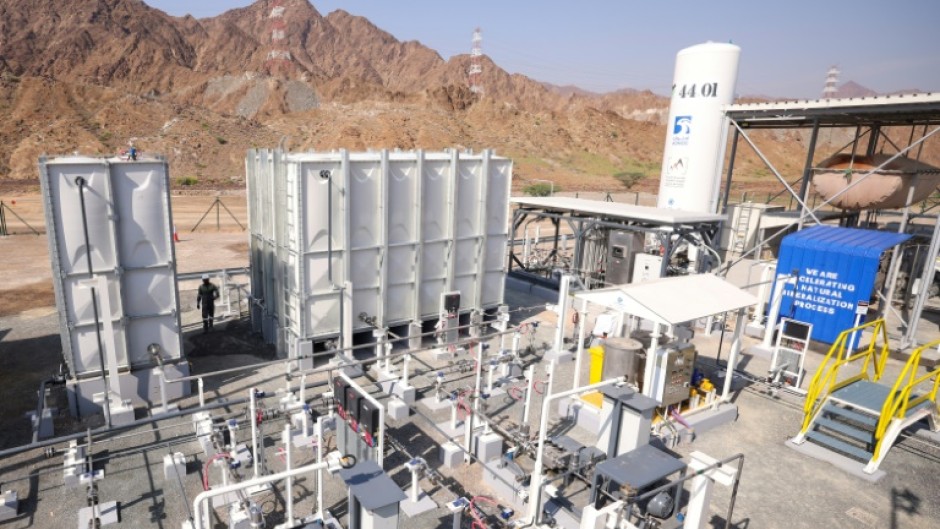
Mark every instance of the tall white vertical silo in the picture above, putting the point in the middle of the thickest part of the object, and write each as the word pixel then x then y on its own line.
pixel 696 133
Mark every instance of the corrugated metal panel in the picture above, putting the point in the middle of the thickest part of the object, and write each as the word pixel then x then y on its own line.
pixel 129 231
pixel 405 227
pixel 836 269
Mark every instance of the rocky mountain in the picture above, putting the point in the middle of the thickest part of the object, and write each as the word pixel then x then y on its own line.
pixel 853 89
pixel 92 75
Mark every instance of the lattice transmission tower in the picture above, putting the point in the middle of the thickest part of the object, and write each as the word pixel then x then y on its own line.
pixel 831 90
pixel 476 63
pixel 279 60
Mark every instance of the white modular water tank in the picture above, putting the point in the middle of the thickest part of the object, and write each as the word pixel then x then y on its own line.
pixel 696 133
pixel 406 226
pixel 127 206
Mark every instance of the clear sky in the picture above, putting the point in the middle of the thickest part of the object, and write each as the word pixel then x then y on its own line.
pixel 602 45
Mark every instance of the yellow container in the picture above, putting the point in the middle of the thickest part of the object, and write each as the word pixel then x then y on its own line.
pixel 595 398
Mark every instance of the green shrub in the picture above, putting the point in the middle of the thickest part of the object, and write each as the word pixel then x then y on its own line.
pixel 187 181
pixel 539 189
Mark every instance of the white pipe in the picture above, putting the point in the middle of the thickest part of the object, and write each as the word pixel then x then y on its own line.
pixel 253 410
pixel 202 498
pixel 414 485
pixel 536 483
pixel 775 301
pixel 765 279
pixel 491 368
pixel 320 470
pixel 289 487
pixel 202 395
pixel 305 416
pixel 579 352
pixel 530 386
pixel 526 248
pixel 468 435
pixel 650 386
pixel 453 415
pixel 515 345
pixel 381 448
pixel 404 375
pixel 562 312
pixel 733 356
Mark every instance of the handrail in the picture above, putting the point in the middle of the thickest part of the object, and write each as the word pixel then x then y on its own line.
pixel 825 381
pixel 899 403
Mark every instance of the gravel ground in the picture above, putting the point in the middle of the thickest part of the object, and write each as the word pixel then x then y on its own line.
pixel 779 487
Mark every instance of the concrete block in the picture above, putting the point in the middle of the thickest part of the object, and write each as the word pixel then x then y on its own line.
pixel 9 505
pixel 489 447
pixel 174 465
pixel 398 410
pixel 405 393
pixel 451 455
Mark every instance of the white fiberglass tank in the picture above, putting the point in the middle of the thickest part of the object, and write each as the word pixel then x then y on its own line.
pixel 696 133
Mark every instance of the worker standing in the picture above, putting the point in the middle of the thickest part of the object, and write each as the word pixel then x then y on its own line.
pixel 206 297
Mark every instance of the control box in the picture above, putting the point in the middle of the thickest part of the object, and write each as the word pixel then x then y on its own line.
pixel 680 362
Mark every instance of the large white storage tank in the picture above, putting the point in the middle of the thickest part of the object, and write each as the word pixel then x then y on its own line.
pixel 402 227
pixel 129 236
pixel 704 82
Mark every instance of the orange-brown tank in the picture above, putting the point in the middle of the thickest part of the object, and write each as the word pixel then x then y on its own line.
pixel 887 188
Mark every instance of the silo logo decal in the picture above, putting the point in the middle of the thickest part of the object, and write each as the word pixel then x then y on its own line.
pixel 681 130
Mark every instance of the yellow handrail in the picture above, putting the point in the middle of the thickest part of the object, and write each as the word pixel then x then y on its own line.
pixel 826 381
pixel 899 403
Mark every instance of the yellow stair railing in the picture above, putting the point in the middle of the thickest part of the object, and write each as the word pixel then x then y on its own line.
pixel 826 380
pixel 899 402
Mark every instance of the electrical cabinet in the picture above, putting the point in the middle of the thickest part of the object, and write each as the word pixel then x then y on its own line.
pixel 368 421
pixel 339 396
pixel 646 267
pixel 622 249
pixel 679 361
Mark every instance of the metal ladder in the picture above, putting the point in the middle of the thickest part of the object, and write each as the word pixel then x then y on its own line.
pixel 742 227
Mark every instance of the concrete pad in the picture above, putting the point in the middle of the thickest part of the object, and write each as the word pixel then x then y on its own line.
pixel 108 513
pixel 841 462
pixel 424 504
pixel 450 431
pixel 433 404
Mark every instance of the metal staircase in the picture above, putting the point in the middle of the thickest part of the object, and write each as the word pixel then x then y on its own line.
pixel 857 416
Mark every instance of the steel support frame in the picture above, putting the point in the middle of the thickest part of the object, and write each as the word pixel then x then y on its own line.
pixel 580 225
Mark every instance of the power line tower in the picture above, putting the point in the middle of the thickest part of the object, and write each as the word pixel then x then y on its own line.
pixel 476 63
pixel 279 61
pixel 831 90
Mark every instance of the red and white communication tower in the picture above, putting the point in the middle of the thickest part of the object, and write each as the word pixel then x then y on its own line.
pixel 476 63
pixel 279 60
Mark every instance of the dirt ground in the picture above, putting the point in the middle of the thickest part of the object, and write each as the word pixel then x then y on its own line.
pixel 26 272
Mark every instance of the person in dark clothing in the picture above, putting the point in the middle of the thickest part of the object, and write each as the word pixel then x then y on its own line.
pixel 205 298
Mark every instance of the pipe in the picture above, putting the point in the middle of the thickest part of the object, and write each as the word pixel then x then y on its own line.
pixel 253 411
pixel 468 436
pixel 529 390
pixel 535 488
pixel 82 183
pixel 579 352
pixel 320 471
pixel 289 485
pixel 204 496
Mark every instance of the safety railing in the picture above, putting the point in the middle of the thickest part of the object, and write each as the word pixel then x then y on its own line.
pixel 899 402
pixel 826 380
